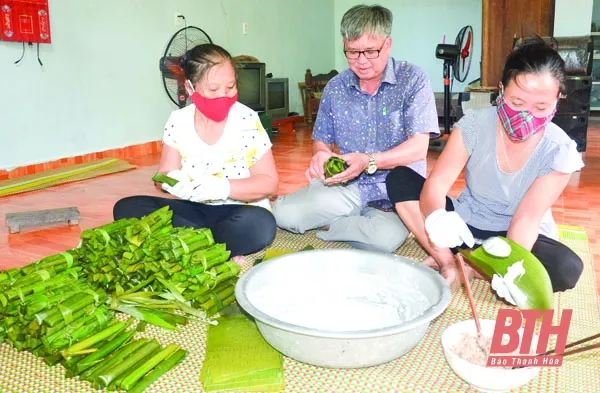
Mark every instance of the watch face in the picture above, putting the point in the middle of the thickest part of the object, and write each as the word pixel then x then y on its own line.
pixel 372 168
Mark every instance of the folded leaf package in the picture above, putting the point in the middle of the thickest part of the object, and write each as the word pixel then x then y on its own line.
pixel 519 275
pixel 334 165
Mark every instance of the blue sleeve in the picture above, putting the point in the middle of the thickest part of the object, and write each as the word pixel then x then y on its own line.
pixel 323 130
pixel 420 113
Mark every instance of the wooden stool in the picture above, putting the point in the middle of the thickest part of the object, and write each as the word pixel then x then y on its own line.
pixel 39 218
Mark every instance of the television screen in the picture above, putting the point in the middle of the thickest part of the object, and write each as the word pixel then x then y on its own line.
pixel 276 95
pixel 249 81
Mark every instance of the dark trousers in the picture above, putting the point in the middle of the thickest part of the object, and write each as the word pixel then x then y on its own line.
pixel 244 229
pixel 563 266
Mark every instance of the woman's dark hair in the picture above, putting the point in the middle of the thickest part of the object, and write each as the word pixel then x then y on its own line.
pixel 534 56
pixel 197 61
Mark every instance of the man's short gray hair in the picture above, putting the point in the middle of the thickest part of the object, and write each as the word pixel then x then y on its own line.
pixel 375 19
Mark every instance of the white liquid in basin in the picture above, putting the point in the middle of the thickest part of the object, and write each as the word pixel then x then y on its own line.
pixel 344 302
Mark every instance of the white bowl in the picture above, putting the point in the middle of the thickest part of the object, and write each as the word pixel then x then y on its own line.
pixel 484 379
pixel 342 308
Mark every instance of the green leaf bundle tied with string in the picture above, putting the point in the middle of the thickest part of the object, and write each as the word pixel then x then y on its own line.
pixel 334 165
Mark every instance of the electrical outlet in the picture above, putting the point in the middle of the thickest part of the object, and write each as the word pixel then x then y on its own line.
pixel 244 28
pixel 179 19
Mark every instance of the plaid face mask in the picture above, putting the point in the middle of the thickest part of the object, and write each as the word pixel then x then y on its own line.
pixel 520 125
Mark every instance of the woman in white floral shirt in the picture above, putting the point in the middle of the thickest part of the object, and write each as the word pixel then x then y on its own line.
pixel 221 156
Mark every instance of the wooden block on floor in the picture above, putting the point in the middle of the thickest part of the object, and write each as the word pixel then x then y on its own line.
pixel 16 221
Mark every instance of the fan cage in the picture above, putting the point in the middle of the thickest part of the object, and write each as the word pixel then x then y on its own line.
pixel 183 40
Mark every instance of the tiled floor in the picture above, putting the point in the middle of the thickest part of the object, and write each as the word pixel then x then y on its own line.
pixel 579 204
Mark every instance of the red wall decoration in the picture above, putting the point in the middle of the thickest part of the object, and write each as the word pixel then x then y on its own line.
pixel 25 21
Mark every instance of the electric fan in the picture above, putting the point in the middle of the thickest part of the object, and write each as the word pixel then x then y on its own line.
pixel 170 64
pixel 457 56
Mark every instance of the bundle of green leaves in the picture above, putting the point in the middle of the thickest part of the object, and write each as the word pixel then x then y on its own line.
pixel 63 307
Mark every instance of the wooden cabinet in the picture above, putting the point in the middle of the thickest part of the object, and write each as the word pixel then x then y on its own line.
pixel 595 95
pixel 505 20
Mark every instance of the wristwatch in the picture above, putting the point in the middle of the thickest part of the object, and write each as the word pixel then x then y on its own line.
pixel 372 168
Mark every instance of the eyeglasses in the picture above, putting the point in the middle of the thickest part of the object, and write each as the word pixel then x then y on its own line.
pixel 369 53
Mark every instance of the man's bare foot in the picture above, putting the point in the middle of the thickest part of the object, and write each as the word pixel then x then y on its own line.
pixel 239 259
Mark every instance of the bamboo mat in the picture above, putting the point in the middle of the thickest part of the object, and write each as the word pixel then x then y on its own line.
pixel 67 174
pixel 424 369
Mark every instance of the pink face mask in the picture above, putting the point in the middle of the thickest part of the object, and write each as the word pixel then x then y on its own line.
pixel 216 109
pixel 520 125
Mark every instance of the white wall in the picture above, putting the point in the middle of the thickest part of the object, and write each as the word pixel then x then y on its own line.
pixel 100 87
pixel 419 25
pixel 572 17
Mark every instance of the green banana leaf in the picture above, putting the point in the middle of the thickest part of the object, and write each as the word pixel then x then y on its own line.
pixel 276 252
pixel 239 359
pixel 161 178
pixel 535 283
pixel 147 316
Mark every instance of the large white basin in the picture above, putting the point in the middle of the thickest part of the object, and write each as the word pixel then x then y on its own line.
pixel 342 308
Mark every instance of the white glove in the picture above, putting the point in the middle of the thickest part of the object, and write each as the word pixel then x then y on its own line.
pixel 447 229
pixel 184 187
pixel 210 188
